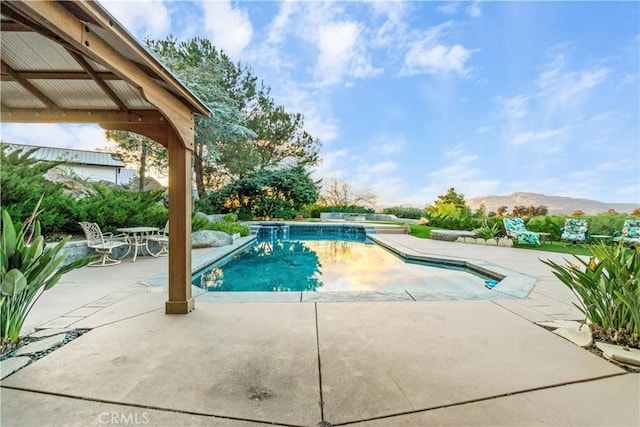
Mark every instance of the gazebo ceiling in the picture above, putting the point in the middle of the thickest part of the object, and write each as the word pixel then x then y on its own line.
pixel 49 76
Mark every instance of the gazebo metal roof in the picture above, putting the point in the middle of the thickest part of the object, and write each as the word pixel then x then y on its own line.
pixel 72 62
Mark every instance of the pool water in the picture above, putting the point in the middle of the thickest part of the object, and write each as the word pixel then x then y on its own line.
pixel 325 264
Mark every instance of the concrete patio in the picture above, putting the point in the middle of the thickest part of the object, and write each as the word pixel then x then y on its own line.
pixel 412 363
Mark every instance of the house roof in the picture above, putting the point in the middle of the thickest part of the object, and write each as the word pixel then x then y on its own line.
pixel 82 157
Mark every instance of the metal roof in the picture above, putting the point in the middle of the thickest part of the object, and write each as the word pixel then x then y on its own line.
pixel 44 72
pixel 82 157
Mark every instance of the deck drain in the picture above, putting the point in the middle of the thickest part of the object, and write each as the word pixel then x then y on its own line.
pixel 324 424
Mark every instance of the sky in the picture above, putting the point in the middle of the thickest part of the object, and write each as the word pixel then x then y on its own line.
pixel 409 99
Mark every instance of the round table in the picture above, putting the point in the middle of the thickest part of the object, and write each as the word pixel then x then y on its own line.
pixel 136 237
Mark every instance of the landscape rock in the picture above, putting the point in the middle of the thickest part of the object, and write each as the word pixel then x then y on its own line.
pixel 492 242
pixel 630 356
pixel 423 221
pixel 209 239
pixel 12 364
pixel 506 242
pixel 480 241
pixel 49 332
pixel 41 345
pixel 579 336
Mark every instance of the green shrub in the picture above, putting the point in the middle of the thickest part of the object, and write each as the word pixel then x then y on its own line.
pixel 228 227
pixel 405 212
pixel 608 289
pixel 113 208
pixel 27 269
pixel 23 186
pixel 198 224
pixel 488 231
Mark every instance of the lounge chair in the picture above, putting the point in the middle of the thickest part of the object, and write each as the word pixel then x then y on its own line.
pixel 103 243
pixel 574 231
pixel 515 229
pixel 630 233
pixel 161 239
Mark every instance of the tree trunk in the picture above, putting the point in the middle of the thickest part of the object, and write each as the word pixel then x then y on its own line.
pixel 143 164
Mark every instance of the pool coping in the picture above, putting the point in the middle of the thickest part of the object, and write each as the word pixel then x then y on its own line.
pixel 511 284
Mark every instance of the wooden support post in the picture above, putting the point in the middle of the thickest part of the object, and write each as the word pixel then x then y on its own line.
pixel 180 298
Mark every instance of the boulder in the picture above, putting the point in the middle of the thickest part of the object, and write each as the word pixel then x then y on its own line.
pixel 210 239
pixel 423 221
pixel 149 184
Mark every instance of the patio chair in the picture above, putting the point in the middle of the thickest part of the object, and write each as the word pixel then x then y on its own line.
pixel 161 239
pixel 630 233
pixel 515 229
pixel 574 231
pixel 103 243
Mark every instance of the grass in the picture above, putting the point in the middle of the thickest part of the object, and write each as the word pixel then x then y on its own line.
pixel 423 232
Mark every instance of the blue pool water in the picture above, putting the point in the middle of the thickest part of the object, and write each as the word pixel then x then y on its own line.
pixel 324 264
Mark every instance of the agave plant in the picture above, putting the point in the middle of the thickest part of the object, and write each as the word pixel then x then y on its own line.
pixel 608 287
pixel 27 269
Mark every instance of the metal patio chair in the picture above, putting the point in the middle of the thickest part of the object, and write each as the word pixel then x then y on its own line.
pixel 102 243
pixel 161 238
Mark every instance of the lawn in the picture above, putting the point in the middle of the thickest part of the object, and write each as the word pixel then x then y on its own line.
pixel 423 232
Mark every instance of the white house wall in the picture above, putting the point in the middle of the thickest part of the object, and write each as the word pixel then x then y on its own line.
pixel 96 173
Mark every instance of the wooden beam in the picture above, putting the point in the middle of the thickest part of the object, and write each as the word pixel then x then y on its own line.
pixel 14 27
pixel 57 19
pixel 180 299
pixel 157 132
pixel 6 69
pixel 34 115
pixel 60 75
pixel 105 87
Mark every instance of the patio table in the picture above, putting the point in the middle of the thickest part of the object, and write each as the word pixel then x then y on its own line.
pixel 136 237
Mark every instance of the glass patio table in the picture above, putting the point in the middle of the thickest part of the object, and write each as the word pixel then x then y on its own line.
pixel 136 237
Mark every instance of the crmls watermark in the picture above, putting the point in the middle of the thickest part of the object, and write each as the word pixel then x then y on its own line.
pixel 123 418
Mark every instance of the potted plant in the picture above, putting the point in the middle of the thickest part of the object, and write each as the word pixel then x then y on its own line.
pixel 27 269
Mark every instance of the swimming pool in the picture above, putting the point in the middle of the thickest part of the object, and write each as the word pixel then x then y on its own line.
pixel 331 263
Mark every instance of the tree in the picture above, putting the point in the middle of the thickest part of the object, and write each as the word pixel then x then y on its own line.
pixel 144 152
pixel 198 64
pixel 636 211
pixel 342 194
pixel 268 193
pixel 450 204
pixel 577 212
pixel 502 210
pixel 247 131
pixel 541 210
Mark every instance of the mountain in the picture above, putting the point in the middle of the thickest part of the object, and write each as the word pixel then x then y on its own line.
pixel 556 204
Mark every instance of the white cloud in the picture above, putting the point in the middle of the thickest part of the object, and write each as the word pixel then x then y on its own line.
pixel 527 137
pixel 483 129
pixel 565 85
pixel 382 167
pixel 341 53
pixel 281 23
pixel 473 10
pixel 387 145
pixel 229 28
pixel 515 107
pixel 449 8
pixel 79 137
pixel 427 57
pixel 147 18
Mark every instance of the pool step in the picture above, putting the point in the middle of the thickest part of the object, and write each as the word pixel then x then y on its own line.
pixel 389 229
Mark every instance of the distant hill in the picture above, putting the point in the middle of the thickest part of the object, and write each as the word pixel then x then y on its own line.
pixel 556 204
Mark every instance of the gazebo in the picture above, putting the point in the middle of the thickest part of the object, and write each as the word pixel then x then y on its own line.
pixel 72 62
